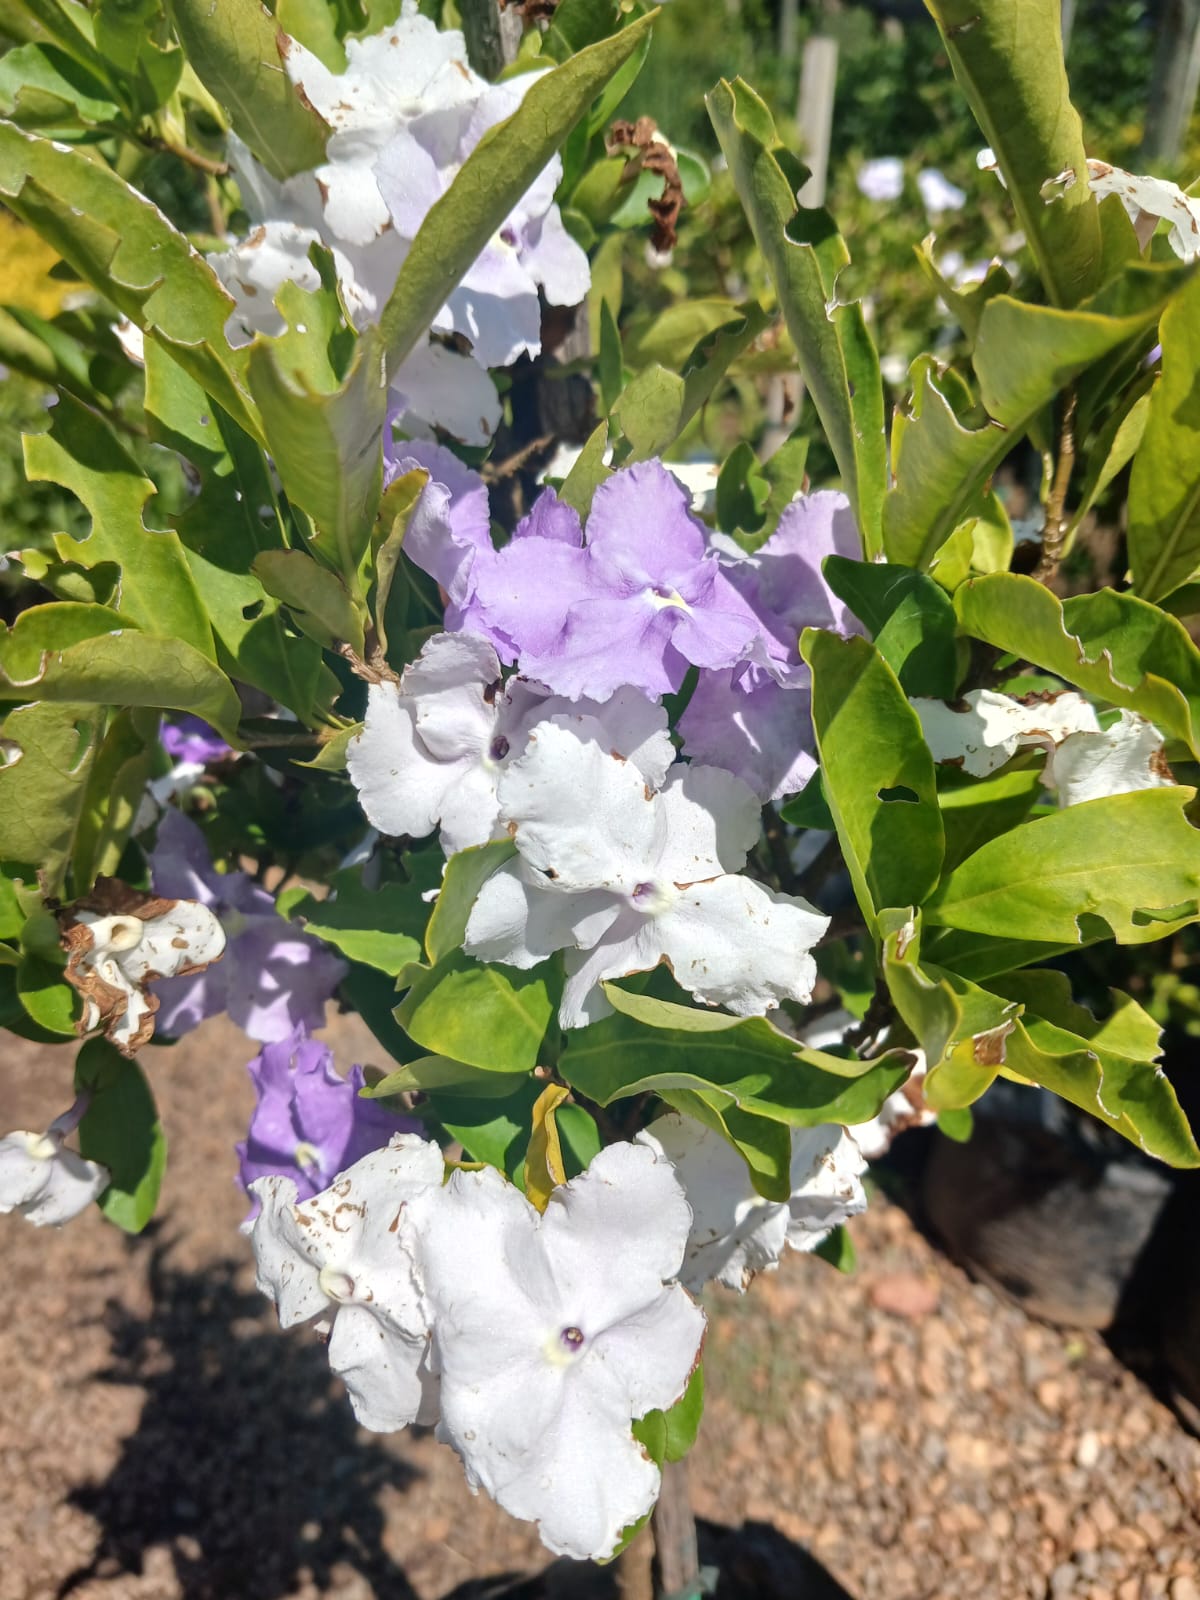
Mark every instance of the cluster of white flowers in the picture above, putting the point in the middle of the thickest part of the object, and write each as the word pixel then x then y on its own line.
pixel 535 1339
pixel 404 116
pixel 1084 761
pixel 624 857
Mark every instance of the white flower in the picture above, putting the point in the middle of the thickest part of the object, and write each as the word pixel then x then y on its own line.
pixel 938 194
pixel 1146 200
pixel 986 162
pixel 552 1332
pixel 986 729
pixel 434 746
pixel 881 178
pixel 904 1108
pixel 735 1232
pixel 346 1252
pixel 44 1181
pixel 1116 760
pixel 623 878
pixel 115 949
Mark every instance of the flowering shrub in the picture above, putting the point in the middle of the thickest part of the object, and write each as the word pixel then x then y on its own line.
pixel 598 804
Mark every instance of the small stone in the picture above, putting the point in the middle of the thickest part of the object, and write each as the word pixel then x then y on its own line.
pixel 1184 1589
pixel 906 1294
pixel 1062 1579
pixel 1088 1452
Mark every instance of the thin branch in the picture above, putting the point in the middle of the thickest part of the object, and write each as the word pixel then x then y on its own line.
pixel 493 472
pixel 1056 522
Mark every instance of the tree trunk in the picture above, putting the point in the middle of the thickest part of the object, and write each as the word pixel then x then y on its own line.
pixel 676 1557
pixel 493 36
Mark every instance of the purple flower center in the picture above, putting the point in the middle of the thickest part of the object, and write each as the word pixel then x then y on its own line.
pixel 643 891
pixel 499 748
pixel 508 236
pixel 572 1337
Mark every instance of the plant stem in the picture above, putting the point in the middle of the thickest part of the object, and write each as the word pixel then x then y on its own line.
pixel 676 1556
pixel 1056 522
pixel 635 1576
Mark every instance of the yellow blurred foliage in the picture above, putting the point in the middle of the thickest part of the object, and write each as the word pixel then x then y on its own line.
pixel 25 262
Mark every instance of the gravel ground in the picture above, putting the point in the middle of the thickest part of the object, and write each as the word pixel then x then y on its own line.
pixel 160 1439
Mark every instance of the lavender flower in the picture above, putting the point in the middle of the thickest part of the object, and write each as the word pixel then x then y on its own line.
pixel 274 977
pixel 191 739
pixel 309 1123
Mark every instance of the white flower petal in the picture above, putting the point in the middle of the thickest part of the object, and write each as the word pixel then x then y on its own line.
pixel 1155 198
pixel 712 822
pixel 1118 760
pixel 519 924
pixel 381 1367
pixel 45 1182
pixel 987 729
pixel 400 787
pixel 438 387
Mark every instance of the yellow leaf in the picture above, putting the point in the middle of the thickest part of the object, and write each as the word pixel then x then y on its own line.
pixel 544 1169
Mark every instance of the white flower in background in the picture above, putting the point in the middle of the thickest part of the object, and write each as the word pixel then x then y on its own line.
pixel 735 1232
pixel 1114 760
pixel 1147 201
pixel 881 178
pixel 985 729
pixel 622 878
pixel 434 746
pixel 345 1255
pixel 124 940
pixel 986 162
pixel 552 1333
pixel 42 1180
pixel 938 194
pixel 406 112
pixel 904 1108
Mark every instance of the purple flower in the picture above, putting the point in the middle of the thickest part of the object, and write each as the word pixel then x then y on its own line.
pixel 449 533
pixel 309 1124
pixel 755 720
pixel 188 738
pixel 633 604
pixel 274 977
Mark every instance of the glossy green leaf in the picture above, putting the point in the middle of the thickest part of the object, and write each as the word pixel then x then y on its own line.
pixel 121 1130
pixel 316 597
pixel 877 773
pixel 580 1138
pixel 964 304
pixel 124 764
pixel 669 1435
pixel 805 255
pixel 838 1249
pixel 495 1131
pixel 588 473
pixel 235 49
pixel 379 927
pixel 123 245
pixel 1107 1067
pixel 1008 58
pixel 442 1076
pixel 1109 644
pixel 488 1016
pixel 466 873
pixel 49 753
pixel 910 618
pixel 132 669
pixel 975 810
pixel 391 523
pixel 45 995
pixel 490 183
pixel 40 88
pixel 764 1145
pixel 1125 867
pixel 157 591
pixel 1164 489
pixel 654 1046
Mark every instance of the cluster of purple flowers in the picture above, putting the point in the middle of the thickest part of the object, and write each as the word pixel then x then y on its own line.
pixel 641 594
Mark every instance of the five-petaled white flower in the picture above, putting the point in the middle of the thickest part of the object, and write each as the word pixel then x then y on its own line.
pixel 345 1253
pixel 735 1231
pixel 435 745
pixel 552 1333
pixel 622 878
pixel 42 1180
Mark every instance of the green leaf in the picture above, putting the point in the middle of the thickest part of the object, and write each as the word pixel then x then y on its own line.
pixel 588 473
pixel 1106 1067
pixel 119 242
pixel 124 764
pixel 654 1046
pixel 380 928
pixel 610 366
pixel 311 22
pixel 50 751
pixel 1060 880
pixel 805 255
pixel 46 996
pixel 877 773
pixel 439 1075
pixel 466 874
pixel 157 591
pixel 132 669
pixel 742 495
pixel 580 1138
pixel 910 618
pixel 1164 489
pixel 765 1146
pixel 373 995
pixel 43 629
pixel 234 47
pixel 1111 645
pixel 976 810
pixel 489 184
pixel 966 305
pixel 391 523
pixel 838 1249
pixel 12 916
pixel 488 1016
pixel 41 88
pixel 316 597
pixel 121 1130
pixel 1008 58
pixel 669 1435
pixel 944 454
pixel 655 407
pixel 489 1130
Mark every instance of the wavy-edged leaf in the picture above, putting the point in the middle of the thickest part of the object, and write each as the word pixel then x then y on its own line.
pixel 379 927
pixel 488 1016
pixel 805 254
pixel 49 751
pixel 910 617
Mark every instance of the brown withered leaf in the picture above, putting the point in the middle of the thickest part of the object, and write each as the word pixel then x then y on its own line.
pixel 652 155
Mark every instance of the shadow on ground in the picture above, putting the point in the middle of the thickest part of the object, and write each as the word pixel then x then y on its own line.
pixel 247 1466
pixel 245 1463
